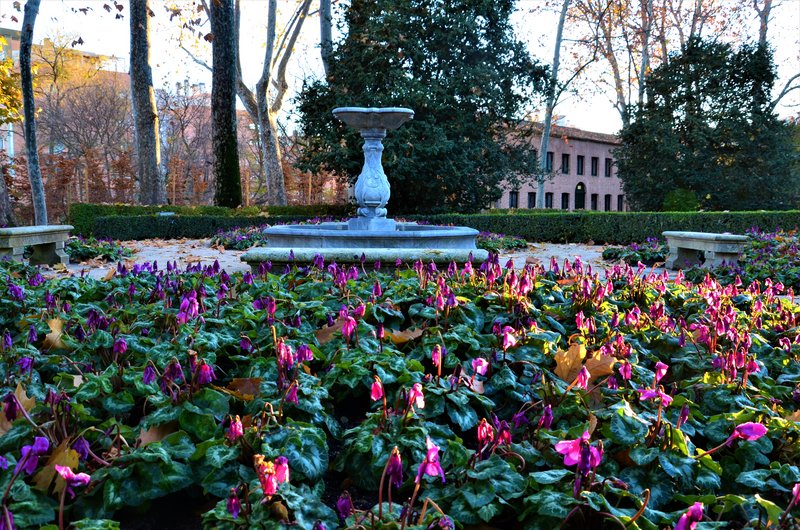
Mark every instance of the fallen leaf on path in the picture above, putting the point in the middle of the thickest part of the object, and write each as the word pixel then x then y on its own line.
pixel 110 274
pixel 53 339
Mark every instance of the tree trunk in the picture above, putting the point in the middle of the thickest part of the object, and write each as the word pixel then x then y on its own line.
pixel 647 25
pixel 6 213
pixel 152 189
pixel 271 153
pixel 551 103
pixel 29 111
pixel 228 184
pixel 325 39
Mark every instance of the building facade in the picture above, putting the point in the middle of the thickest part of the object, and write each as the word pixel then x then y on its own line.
pixel 583 174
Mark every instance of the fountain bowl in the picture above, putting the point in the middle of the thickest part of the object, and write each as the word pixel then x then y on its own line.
pixel 389 118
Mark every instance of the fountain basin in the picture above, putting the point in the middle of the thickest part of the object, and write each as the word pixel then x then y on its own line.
pixel 341 235
pixel 388 118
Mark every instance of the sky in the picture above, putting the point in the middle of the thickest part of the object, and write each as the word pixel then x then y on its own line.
pixel 103 34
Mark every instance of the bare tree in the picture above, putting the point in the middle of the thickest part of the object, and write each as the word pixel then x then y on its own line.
pixel 145 114
pixel 227 180
pixel 29 110
pixel 325 39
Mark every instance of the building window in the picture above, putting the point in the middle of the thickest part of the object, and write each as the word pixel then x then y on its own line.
pixel 549 162
pixel 608 167
pixel 620 205
pixel 565 163
pixel 531 199
pixel 607 203
pixel 595 165
pixel 548 200
pixel 565 201
pixel 594 201
pixel 513 199
pixel 580 196
pixel 579 168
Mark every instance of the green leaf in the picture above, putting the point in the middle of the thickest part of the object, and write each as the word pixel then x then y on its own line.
pixel 550 476
pixel 627 428
pixel 551 503
pixel 774 512
pixel 200 424
pixel 95 524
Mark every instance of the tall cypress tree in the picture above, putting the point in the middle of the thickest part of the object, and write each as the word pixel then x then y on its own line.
pixel 457 64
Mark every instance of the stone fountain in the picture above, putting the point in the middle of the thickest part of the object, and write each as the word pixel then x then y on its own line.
pixel 371 233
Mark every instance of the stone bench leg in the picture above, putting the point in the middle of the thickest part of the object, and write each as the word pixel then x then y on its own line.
pixel 49 254
pixel 681 257
pixel 14 254
pixel 715 259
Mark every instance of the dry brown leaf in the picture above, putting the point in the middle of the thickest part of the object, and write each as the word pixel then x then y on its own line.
pixel 532 260
pixel 244 388
pixel 795 416
pixel 156 433
pixel 592 423
pixel 62 456
pixel 477 387
pixel 77 380
pixel 110 274
pixel 60 267
pixel 326 334
pixel 567 281
pixel 568 363
pixel 600 365
pixel 402 337
pixel 192 259
pixel 53 339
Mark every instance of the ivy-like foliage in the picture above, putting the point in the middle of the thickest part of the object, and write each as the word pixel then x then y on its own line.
pixel 457 64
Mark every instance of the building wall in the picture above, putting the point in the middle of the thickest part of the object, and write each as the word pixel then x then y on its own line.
pixel 574 142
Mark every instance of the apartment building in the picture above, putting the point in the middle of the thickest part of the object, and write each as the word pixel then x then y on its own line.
pixel 583 174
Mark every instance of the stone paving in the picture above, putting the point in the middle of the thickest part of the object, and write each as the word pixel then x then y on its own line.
pixel 190 251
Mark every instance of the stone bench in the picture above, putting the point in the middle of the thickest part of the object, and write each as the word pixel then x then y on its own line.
pixel 684 248
pixel 47 242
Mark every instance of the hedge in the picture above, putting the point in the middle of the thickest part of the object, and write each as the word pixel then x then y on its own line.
pixel 84 216
pixel 615 227
pixel 583 227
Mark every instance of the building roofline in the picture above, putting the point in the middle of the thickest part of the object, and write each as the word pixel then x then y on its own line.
pixel 560 131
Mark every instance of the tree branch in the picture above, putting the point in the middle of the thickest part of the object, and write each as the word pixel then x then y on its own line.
pixel 194 58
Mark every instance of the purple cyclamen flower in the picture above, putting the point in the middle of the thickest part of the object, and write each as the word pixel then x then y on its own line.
pixel 750 431
pixel 394 468
pixel 430 466
pixel 149 374
pixel 25 364
pixel 304 353
pixel 10 406
pixel 573 452
pixel 546 420
pixel 8 342
pixel 689 520
pixel 81 446
pixel 32 334
pixel 291 395
pixel 3 463
pixel 29 459
pixel 205 374
pixel 120 346
pixel 344 505
pixel 233 504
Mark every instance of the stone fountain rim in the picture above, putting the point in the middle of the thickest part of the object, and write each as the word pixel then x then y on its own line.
pixel 373 110
pixel 339 230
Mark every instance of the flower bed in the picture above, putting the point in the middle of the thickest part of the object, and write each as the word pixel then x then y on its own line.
pixel 520 399
pixel 85 248
pixel 649 252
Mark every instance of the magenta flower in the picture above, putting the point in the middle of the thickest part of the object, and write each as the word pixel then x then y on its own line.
pixel 479 365
pixel 348 328
pixel 689 520
pixel 205 374
pixel 646 394
pixel 547 418
pixel 485 432
pixel 120 346
pixel 750 431
pixel 233 505
pixel 508 339
pixel 430 466
pixel 661 370
pixel 394 468
pixel 72 479
pixel 582 381
pixel 415 396
pixel 235 429
pixel 376 391
pixel 282 469
pixel 571 449
pixel 344 505
pixel 436 356
pixel 625 370
pixel 149 374
pixel 291 395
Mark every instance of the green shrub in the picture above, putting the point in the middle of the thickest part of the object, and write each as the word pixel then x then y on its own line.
pixel 681 200
pixel 83 216
pixel 83 248
pixel 176 226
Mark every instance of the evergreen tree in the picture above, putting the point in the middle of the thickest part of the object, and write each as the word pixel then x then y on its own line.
pixel 457 64
pixel 708 128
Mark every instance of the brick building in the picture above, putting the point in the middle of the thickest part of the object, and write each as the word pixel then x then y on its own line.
pixel 584 175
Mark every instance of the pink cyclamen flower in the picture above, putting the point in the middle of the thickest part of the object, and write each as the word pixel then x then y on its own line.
pixel 508 338
pixel 394 468
pixel 430 466
pixel 571 449
pixel 582 381
pixel 416 397
pixel 348 328
pixel 282 469
pixel 376 392
pixel 485 431
pixel 265 470
pixel 661 370
pixel 72 479
pixel 750 431
pixel 235 429
pixel 547 417
pixel 625 370
pixel 689 520
pixel 646 394
pixel 480 365
pixel 205 374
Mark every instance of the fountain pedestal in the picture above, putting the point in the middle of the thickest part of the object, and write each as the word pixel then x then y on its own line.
pixel 371 234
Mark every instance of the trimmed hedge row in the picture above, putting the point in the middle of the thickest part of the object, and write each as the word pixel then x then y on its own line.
pixel 84 216
pixel 618 228
pixel 126 227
